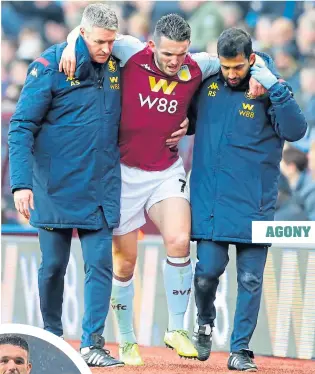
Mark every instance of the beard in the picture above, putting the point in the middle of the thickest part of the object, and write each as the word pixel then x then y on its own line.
pixel 240 82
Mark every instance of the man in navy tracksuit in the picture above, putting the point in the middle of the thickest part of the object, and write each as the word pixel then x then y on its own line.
pixel 235 171
pixel 65 172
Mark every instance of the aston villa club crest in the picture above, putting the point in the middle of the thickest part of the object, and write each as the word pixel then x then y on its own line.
pixel 248 95
pixel 112 65
pixel 184 73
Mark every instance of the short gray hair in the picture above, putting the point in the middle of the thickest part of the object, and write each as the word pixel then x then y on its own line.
pixel 172 26
pixel 99 15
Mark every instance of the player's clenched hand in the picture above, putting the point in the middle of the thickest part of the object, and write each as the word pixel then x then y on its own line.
pixel 24 200
pixel 68 61
pixel 255 88
pixel 177 135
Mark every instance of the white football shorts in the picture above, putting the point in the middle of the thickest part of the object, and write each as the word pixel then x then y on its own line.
pixel 141 189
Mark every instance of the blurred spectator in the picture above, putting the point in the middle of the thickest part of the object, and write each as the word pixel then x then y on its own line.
pixel 8 50
pixel 17 76
pixel 305 34
pixel 308 93
pixel 43 10
pixel 11 20
pixel 15 14
pixel 143 7
pixel 138 26
pixel 55 33
pixel 30 44
pixel 287 207
pixel 209 19
pixel 282 30
pixel 294 168
pixel 263 36
pixel 231 13
pixel 161 8
pixel 206 25
pixel 306 99
pixel 275 9
pixel 286 61
pixel 7 56
pixel 73 11
pixel 311 154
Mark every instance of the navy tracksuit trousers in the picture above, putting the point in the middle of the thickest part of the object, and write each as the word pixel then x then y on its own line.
pixel 212 260
pixel 97 255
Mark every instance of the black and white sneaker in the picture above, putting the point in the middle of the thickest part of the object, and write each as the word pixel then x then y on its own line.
pixel 97 356
pixel 202 340
pixel 242 361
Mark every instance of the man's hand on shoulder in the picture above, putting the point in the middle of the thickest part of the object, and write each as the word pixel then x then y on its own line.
pixel 67 63
pixel 68 60
pixel 24 200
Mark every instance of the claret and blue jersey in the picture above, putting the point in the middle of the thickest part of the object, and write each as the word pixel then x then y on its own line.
pixel 154 104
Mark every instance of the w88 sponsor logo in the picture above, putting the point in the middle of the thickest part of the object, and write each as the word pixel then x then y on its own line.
pixel 162 104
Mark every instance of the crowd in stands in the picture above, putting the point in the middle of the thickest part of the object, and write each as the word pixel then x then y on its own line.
pixel 283 29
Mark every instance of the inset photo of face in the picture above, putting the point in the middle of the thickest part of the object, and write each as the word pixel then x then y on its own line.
pixel 14 355
pixel 31 350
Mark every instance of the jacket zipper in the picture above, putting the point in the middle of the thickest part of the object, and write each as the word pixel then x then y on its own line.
pixel 215 171
pixel 99 81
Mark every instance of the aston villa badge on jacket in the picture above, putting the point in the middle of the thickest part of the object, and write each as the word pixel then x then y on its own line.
pixel 112 65
pixel 248 95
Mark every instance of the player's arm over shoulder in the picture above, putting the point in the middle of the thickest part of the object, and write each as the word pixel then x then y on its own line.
pixel 208 64
pixel 125 46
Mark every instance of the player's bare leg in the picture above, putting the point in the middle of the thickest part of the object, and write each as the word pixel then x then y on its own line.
pixel 172 218
pixel 124 259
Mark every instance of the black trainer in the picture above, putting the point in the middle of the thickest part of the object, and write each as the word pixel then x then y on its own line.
pixel 202 340
pixel 97 356
pixel 242 361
